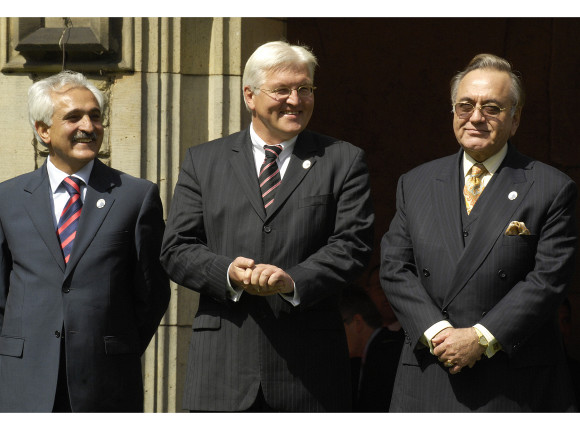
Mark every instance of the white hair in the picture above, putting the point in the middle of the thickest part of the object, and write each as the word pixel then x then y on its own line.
pixel 41 104
pixel 275 56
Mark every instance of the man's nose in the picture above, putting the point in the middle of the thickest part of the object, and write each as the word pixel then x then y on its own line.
pixel 293 98
pixel 86 124
pixel 476 115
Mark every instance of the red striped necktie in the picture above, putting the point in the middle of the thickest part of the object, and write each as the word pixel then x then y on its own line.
pixel 269 176
pixel 69 219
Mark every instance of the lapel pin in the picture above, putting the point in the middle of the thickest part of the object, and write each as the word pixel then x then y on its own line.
pixel 306 164
pixel 513 195
pixel 101 203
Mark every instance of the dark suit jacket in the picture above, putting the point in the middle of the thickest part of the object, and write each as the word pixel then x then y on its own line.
pixel 512 285
pixel 110 296
pixel 319 232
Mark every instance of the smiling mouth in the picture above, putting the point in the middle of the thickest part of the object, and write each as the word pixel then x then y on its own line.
pixel 85 137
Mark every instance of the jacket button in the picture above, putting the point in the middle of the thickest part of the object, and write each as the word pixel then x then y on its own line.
pixel 445 314
pixel 483 314
pixel 57 334
pixel 501 274
pixel 426 273
pixel 465 233
pixel 65 289
pixel 267 229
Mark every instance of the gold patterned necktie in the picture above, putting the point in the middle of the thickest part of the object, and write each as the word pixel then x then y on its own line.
pixel 473 185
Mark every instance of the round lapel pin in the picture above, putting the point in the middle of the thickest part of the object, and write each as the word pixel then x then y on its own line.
pixel 513 195
pixel 306 164
pixel 101 203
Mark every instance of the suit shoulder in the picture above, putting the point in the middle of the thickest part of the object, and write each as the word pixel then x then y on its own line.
pixel 548 174
pixel 329 141
pixel 220 144
pixel 127 181
pixel 18 181
pixel 433 167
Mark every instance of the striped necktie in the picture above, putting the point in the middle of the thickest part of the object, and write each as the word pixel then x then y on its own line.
pixel 269 176
pixel 67 225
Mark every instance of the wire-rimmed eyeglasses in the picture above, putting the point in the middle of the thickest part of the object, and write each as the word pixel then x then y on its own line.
pixel 466 109
pixel 282 93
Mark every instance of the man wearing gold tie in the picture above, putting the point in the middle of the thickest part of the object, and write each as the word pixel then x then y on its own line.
pixel 477 260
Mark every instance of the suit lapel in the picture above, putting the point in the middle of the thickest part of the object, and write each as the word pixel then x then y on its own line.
pixel 495 215
pixel 242 163
pixel 102 180
pixel 304 151
pixel 445 201
pixel 40 209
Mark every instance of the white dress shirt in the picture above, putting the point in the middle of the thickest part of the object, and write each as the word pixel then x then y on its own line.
pixel 59 194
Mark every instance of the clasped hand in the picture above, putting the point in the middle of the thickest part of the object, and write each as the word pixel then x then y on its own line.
pixel 259 279
pixel 457 348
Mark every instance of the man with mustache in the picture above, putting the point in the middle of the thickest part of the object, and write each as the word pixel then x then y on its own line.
pixel 268 225
pixel 477 260
pixel 81 287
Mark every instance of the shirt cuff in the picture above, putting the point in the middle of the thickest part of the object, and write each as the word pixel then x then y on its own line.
pixel 493 345
pixel 234 294
pixel 293 299
pixel 432 331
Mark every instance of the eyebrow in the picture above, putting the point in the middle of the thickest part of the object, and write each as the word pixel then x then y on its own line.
pixel 484 102
pixel 80 111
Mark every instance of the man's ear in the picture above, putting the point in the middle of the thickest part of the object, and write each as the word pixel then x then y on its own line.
pixel 516 121
pixel 43 131
pixel 249 97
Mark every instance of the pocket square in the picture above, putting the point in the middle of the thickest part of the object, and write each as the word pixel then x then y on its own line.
pixel 517 228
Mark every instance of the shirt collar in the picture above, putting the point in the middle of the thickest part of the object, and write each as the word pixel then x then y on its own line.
pixel 56 176
pixel 259 143
pixel 491 164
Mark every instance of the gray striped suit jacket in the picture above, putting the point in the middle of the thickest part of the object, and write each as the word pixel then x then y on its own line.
pixel 319 232
pixel 512 285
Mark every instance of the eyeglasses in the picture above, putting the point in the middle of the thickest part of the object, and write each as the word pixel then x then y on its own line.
pixel 282 93
pixel 465 109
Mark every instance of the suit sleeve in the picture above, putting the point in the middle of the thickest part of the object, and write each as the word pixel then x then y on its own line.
pixel 151 284
pixel 185 251
pixel 399 279
pixel 348 249
pixel 531 302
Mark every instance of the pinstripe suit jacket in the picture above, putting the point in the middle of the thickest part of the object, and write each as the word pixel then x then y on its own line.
pixel 110 296
pixel 512 285
pixel 319 232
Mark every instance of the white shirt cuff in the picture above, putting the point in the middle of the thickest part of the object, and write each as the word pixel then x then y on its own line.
pixel 432 331
pixel 493 345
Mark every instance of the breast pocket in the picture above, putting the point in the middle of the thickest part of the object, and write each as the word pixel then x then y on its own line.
pixel 324 199
pixel 112 240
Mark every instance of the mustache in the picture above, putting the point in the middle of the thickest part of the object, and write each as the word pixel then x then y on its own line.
pixel 83 135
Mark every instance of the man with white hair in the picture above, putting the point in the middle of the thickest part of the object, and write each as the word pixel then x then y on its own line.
pixel 81 287
pixel 268 225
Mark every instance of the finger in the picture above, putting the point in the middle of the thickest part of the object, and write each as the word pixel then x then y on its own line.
pixel 256 273
pixel 247 276
pixel 455 370
pixel 243 262
pixel 263 279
